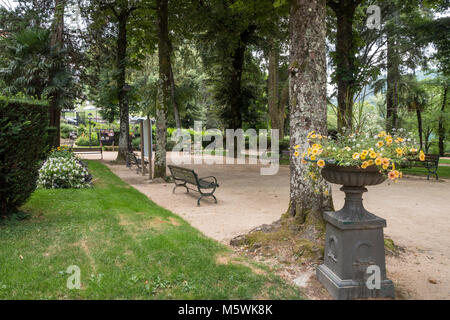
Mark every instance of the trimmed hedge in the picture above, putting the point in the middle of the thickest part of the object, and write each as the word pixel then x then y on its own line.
pixel 23 134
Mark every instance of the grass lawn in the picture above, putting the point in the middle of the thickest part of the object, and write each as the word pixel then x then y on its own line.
pixel 443 172
pixel 126 246
pixel 447 161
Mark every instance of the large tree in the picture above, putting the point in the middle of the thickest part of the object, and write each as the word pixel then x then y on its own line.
pixel 56 42
pixel 345 56
pixel 308 107
pixel 163 87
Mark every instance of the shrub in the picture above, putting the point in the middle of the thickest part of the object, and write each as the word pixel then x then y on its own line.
pixel 83 140
pixel 63 170
pixel 23 127
pixel 136 143
pixel 66 129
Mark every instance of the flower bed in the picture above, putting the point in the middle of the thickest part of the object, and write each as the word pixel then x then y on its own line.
pixel 63 169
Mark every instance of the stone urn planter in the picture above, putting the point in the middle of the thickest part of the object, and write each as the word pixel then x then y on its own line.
pixel 354 262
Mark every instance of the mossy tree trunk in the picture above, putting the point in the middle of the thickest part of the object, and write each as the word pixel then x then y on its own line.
pixel 308 109
pixel 163 88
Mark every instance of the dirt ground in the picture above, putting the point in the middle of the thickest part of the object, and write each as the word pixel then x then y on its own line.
pixel 417 213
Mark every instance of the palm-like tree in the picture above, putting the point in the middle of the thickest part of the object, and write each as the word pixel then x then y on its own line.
pixel 413 97
pixel 30 64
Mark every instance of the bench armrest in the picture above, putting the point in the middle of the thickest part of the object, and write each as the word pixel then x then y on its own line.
pixel 211 177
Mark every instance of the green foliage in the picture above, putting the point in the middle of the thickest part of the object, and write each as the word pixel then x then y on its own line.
pixel 23 125
pixel 34 67
pixel 83 140
pixel 66 129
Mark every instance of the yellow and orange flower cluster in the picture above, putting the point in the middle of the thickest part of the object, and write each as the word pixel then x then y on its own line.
pixel 382 150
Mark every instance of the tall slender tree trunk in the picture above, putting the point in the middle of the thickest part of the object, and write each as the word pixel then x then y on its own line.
pixel 308 108
pixel 276 103
pixel 124 138
pixel 392 83
pixel 176 112
pixel 441 129
pixel 163 88
pixel 419 126
pixel 345 11
pixel 56 43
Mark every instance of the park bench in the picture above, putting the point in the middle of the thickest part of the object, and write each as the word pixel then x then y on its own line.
pixel 182 177
pixel 431 163
pixel 134 160
pixel 90 150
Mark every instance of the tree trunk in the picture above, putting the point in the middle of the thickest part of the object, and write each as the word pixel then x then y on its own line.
pixel 419 125
pixel 441 129
pixel 124 138
pixel 276 103
pixel 345 11
pixel 174 102
pixel 163 88
pixel 392 81
pixel 56 42
pixel 308 107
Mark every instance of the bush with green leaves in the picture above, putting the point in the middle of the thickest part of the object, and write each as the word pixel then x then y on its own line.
pixel 83 140
pixel 66 129
pixel 23 127
pixel 64 170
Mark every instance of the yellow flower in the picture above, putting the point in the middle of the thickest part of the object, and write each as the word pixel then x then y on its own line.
pixel 388 140
pixel 380 144
pixel 385 167
pixel 310 133
pixel 309 151
pixel 315 151
pixel 370 162
pixel 296 153
pixel 385 161
pixel 422 156
pixel 396 173
pixel 365 152
pixel 400 139
pixel 382 134
pixel 355 156
pixel 313 136
pixel 297 146
pixel 365 164
pixel 373 155
pixel 399 151
pixel 313 157
pixel 413 150
pixel 378 161
pixel 321 163
pixel 363 156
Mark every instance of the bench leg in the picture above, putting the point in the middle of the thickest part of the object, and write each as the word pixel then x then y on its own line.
pixel 208 195
pixel 180 185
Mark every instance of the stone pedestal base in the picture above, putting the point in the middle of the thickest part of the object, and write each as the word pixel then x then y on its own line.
pixel 354 262
pixel 350 289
